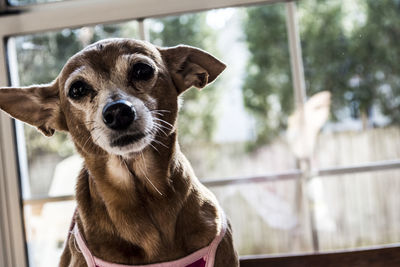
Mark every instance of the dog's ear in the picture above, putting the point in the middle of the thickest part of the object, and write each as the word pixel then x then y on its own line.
pixel 191 66
pixel 38 105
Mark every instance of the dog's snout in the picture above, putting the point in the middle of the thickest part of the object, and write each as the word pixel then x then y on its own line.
pixel 119 115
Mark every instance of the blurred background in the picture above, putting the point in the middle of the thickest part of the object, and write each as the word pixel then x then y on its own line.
pixel 246 124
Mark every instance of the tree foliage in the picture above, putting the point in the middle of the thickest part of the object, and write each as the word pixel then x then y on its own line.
pixel 359 66
pixel 375 59
pixel 268 81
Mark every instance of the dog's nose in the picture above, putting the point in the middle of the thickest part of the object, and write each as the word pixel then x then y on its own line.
pixel 118 115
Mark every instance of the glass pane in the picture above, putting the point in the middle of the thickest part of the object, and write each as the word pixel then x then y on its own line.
pixel 350 49
pixel 356 210
pixel 232 128
pixel 46 228
pixel 266 218
pixel 349 211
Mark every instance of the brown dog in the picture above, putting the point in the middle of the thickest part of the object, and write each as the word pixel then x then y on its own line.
pixel 139 201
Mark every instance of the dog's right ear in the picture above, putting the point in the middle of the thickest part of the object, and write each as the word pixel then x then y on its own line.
pixel 190 66
pixel 37 105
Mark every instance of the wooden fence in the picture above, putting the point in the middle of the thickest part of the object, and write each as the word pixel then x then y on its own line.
pixel 353 210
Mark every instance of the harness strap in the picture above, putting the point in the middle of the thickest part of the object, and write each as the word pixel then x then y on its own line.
pixel 83 247
pixel 202 257
pixel 214 244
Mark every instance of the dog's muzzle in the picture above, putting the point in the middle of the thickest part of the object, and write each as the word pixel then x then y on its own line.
pixel 119 115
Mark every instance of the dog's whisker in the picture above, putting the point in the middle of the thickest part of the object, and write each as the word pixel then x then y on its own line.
pixel 163 121
pixel 87 140
pixel 158 128
pixel 97 139
pixel 145 175
pixel 167 127
pixel 87 123
pixel 160 131
pixel 155 112
pixel 130 172
pixel 160 110
pixel 149 131
pixel 160 143
pixel 94 128
pixel 155 149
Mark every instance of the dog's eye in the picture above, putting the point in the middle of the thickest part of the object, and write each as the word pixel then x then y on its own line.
pixel 78 90
pixel 142 71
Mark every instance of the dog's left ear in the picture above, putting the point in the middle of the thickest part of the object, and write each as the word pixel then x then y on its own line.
pixel 191 66
pixel 38 105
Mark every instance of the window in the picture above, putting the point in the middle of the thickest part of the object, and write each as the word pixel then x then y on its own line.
pixel 250 136
pixel 348 50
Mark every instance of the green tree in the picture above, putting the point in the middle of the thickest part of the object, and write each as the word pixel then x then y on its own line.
pixel 325 48
pixel 268 69
pixel 359 66
pixel 375 57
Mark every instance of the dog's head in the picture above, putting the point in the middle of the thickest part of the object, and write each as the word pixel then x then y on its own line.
pixel 114 96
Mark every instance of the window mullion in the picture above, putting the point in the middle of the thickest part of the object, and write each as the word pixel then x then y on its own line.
pixel 11 210
pixel 295 54
pixel 143 30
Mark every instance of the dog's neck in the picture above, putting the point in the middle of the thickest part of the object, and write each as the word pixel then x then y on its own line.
pixel 141 199
pixel 147 170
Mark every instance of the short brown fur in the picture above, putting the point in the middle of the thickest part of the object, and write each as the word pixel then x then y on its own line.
pixel 142 207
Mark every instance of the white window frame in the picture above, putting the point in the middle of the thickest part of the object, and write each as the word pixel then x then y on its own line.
pixel 77 13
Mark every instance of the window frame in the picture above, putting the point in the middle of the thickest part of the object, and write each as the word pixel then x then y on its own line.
pixel 21 20
pixel 386 255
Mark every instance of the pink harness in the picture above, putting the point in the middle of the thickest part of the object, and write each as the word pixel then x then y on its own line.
pixel 201 258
